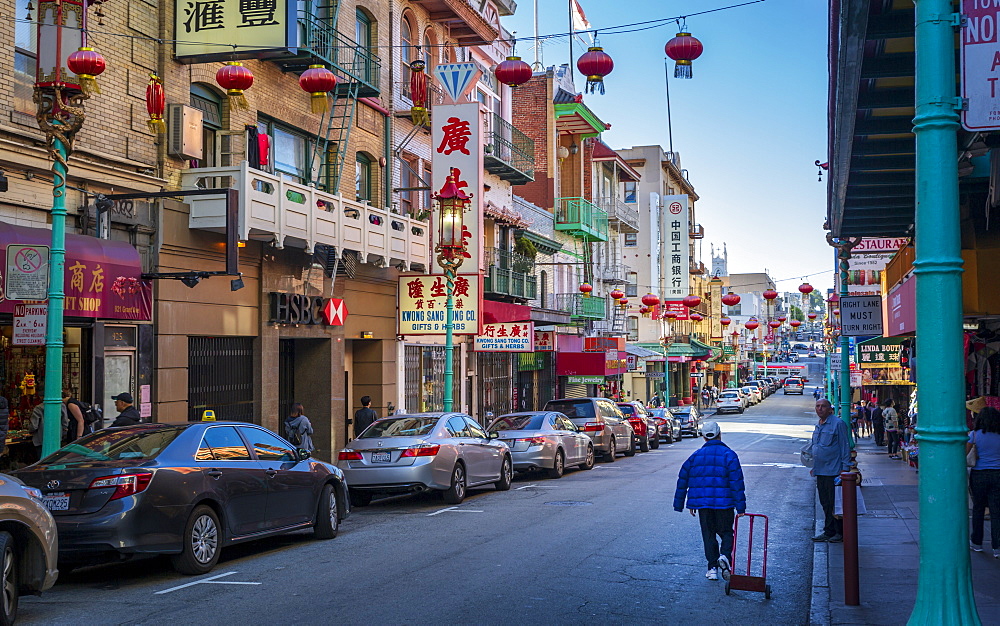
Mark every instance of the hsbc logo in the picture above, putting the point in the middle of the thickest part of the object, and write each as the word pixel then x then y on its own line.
pixel 294 308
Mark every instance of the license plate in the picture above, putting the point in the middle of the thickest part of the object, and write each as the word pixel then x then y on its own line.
pixel 56 501
pixel 381 457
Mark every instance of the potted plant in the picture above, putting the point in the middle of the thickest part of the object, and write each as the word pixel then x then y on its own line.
pixel 525 252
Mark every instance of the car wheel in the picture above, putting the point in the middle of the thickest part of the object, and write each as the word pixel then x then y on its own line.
pixel 360 498
pixel 589 463
pixel 506 475
pixel 740 411
pixel 631 446
pixel 670 436
pixel 644 444
pixel 612 451
pixel 8 576
pixel 456 493
pixel 558 466
pixel 327 517
pixel 655 442
pixel 202 543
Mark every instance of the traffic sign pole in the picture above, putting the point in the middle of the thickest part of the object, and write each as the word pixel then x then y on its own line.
pixel 52 431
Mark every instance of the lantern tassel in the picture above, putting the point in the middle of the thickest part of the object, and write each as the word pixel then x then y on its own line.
pixel 156 125
pixel 419 116
pixel 237 101
pixel 318 102
pixel 682 69
pixel 595 84
pixel 88 85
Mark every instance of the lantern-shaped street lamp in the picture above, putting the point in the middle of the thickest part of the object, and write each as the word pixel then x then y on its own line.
pixel 691 301
pixel 616 295
pixel 586 289
pixel 730 299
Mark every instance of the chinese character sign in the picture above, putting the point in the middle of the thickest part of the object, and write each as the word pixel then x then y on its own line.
pixel 422 300
pixel 506 337
pixel 457 142
pixel 676 265
pixel 208 29
pixel 545 341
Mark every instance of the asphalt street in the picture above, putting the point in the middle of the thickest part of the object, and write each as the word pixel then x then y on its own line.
pixel 603 545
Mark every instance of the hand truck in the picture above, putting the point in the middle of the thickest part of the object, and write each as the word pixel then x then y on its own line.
pixel 746 582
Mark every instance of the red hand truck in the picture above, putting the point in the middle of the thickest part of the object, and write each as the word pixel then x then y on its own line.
pixel 746 582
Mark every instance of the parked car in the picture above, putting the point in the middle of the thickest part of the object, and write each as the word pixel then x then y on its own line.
pixel 760 387
pixel 753 394
pixel 812 354
pixel 793 385
pixel 668 424
pixel 690 418
pixel 643 424
pixel 446 452
pixel 544 440
pixel 186 490
pixel 601 420
pixel 729 401
pixel 29 545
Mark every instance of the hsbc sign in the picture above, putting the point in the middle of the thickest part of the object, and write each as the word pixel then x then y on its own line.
pixel 294 308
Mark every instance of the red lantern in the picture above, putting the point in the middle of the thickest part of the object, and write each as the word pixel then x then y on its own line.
pixel 782 318
pixel 644 310
pixel 235 78
pixel 770 294
pixel 513 72
pixel 806 288
pixel 691 301
pixel 795 323
pixel 670 314
pixel 650 300
pixel 155 104
pixel 836 312
pixel 87 64
pixel 730 299
pixel 683 49
pixel 418 93
pixel 774 324
pixel 725 321
pixel 586 288
pixel 623 303
pixel 811 316
pixel 595 64
pixel 617 294
pixel 751 324
pixel 318 82
pixel 697 317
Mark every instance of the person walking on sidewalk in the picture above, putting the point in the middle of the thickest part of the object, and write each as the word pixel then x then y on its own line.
pixel 711 480
pixel 984 478
pixel 878 422
pixel 891 418
pixel 831 451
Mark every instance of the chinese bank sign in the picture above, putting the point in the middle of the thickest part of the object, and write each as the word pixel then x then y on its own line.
pixel 676 250
pixel 223 29
pixel 422 304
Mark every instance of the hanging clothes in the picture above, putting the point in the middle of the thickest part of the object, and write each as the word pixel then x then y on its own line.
pixel 253 146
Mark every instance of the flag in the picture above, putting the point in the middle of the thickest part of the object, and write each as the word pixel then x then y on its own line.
pixel 579 17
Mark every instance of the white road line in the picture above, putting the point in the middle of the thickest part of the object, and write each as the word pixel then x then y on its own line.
pixel 197 582
pixel 451 508
pixel 454 509
pixel 524 487
pixel 228 582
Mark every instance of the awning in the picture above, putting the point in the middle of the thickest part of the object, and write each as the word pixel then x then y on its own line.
pixel 640 352
pixel 602 152
pixel 574 118
pixel 494 312
pixel 693 351
pixel 103 278
pixel 543 244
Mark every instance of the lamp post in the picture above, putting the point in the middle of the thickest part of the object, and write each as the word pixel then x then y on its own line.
pixel 59 95
pixel 451 251
pixel 944 587
pixel 844 247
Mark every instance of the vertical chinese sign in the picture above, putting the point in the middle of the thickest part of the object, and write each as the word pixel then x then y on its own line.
pixel 222 30
pixel 677 251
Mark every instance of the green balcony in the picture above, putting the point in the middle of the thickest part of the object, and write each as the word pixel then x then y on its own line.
pixel 582 308
pixel 582 219
pixel 321 43
pixel 510 275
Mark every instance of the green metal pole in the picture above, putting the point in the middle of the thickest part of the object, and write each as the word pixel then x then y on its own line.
pixel 449 340
pixel 52 420
pixel 944 588
pixel 845 346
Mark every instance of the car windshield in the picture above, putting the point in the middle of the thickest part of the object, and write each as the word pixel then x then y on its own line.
pixel 572 408
pixel 403 426
pixel 116 445
pixel 680 410
pixel 518 422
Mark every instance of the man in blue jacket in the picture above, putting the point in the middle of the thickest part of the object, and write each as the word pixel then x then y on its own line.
pixel 712 482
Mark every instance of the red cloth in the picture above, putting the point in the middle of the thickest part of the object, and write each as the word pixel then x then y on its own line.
pixel 264 146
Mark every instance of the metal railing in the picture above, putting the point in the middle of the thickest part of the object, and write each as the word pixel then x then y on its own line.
pixel 624 214
pixel 435 95
pixel 582 307
pixel 353 60
pixel 697 231
pixel 581 216
pixel 505 142
pixel 613 273
pixel 511 274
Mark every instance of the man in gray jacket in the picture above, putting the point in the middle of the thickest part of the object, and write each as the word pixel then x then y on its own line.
pixel 831 450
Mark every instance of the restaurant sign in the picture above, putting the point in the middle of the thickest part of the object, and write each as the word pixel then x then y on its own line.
pixel 422 304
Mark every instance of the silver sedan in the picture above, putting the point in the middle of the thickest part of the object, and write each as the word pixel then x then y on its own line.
pixel 544 440
pixel 447 452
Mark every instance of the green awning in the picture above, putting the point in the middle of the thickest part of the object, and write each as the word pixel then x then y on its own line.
pixel 691 350
pixel 543 244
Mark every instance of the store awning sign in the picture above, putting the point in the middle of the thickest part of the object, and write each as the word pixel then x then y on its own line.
pixel 29 325
pixel 860 316
pixel 27 272
pixel 585 380
pixel 506 337
pixel 881 352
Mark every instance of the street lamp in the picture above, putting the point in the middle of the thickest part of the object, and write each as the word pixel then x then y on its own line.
pixel 451 251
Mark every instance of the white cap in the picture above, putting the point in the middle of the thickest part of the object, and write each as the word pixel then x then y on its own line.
pixel 710 430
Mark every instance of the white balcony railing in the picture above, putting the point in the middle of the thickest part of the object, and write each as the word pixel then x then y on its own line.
pixel 287 213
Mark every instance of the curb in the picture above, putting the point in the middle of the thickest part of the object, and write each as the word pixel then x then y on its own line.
pixel 819 601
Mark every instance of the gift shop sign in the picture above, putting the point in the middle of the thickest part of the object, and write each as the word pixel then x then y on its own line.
pixel 29 325
pixel 506 337
pixel 422 304
pixel 981 64
pixel 545 341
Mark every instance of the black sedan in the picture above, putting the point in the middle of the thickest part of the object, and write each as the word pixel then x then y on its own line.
pixel 690 418
pixel 186 490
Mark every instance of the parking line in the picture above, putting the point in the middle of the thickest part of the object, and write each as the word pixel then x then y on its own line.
pixel 451 508
pixel 524 487
pixel 454 509
pixel 204 580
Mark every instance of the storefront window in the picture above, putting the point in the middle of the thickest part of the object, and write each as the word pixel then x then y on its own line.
pixel 495 375
pixel 25 51
pixel 424 386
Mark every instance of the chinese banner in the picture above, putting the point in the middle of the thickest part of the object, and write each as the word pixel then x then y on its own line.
pixel 422 301
pixel 677 306
pixel 457 137
pixel 545 341
pixel 506 337
pixel 217 30
pixel 676 248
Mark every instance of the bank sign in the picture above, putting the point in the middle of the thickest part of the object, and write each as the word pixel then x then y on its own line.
pixel 422 304
pixel 981 64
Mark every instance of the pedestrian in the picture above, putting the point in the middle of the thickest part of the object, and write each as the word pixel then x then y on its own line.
pixel 128 415
pixel 878 422
pixel 77 424
pixel 984 478
pixel 36 425
pixel 365 416
pixel 711 480
pixel 831 453
pixel 891 418
pixel 855 419
pixel 298 428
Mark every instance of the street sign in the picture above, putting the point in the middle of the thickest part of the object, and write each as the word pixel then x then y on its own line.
pixel 697 374
pixel 980 47
pixel 835 361
pixel 29 325
pixel 27 272
pixel 860 316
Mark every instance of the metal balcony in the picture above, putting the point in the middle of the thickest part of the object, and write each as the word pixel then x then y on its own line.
pixel 697 267
pixel 697 231
pixel 510 274
pixel 509 153
pixel 582 219
pixel 321 43
pixel 614 274
pixel 284 213
pixel 582 308
pixel 622 216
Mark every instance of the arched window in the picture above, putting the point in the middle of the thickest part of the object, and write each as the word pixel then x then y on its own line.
pixel 206 100
pixel 430 51
pixel 406 44
pixel 363 178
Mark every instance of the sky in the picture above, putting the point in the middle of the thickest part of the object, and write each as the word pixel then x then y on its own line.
pixel 749 126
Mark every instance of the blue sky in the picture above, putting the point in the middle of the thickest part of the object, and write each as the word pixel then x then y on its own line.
pixel 748 126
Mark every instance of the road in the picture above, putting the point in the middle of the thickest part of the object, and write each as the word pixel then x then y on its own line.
pixel 600 545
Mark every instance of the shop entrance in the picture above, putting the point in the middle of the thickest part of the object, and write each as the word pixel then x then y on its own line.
pixel 119 377
pixel 286 377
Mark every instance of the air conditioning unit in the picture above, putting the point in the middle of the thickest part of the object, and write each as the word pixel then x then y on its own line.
pixel 184 132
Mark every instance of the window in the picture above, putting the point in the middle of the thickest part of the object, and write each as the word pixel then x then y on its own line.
pixel 363 178
pixel 25 52
pixel 291 150
pixel 633 329
pixel 631 240
pixel 430 52
pixel 407 180
pixel 457 427
pixel 267 446
pixel 632 286
pixel 210 105
pixel 222 443
pixel 407 50
pixel 631 194
pixel 117 445
pixel 474 429
pixel 428 203
pixel 362 29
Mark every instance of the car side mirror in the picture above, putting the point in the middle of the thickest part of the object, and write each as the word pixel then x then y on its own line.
pixel 303 454
pixel 492 435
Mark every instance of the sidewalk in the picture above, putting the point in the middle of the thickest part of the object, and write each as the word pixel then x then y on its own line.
pixel 888 552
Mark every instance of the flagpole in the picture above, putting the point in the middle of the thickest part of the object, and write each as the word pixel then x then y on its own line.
pixel 670 126
pixel 538 44
pixel 571 35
